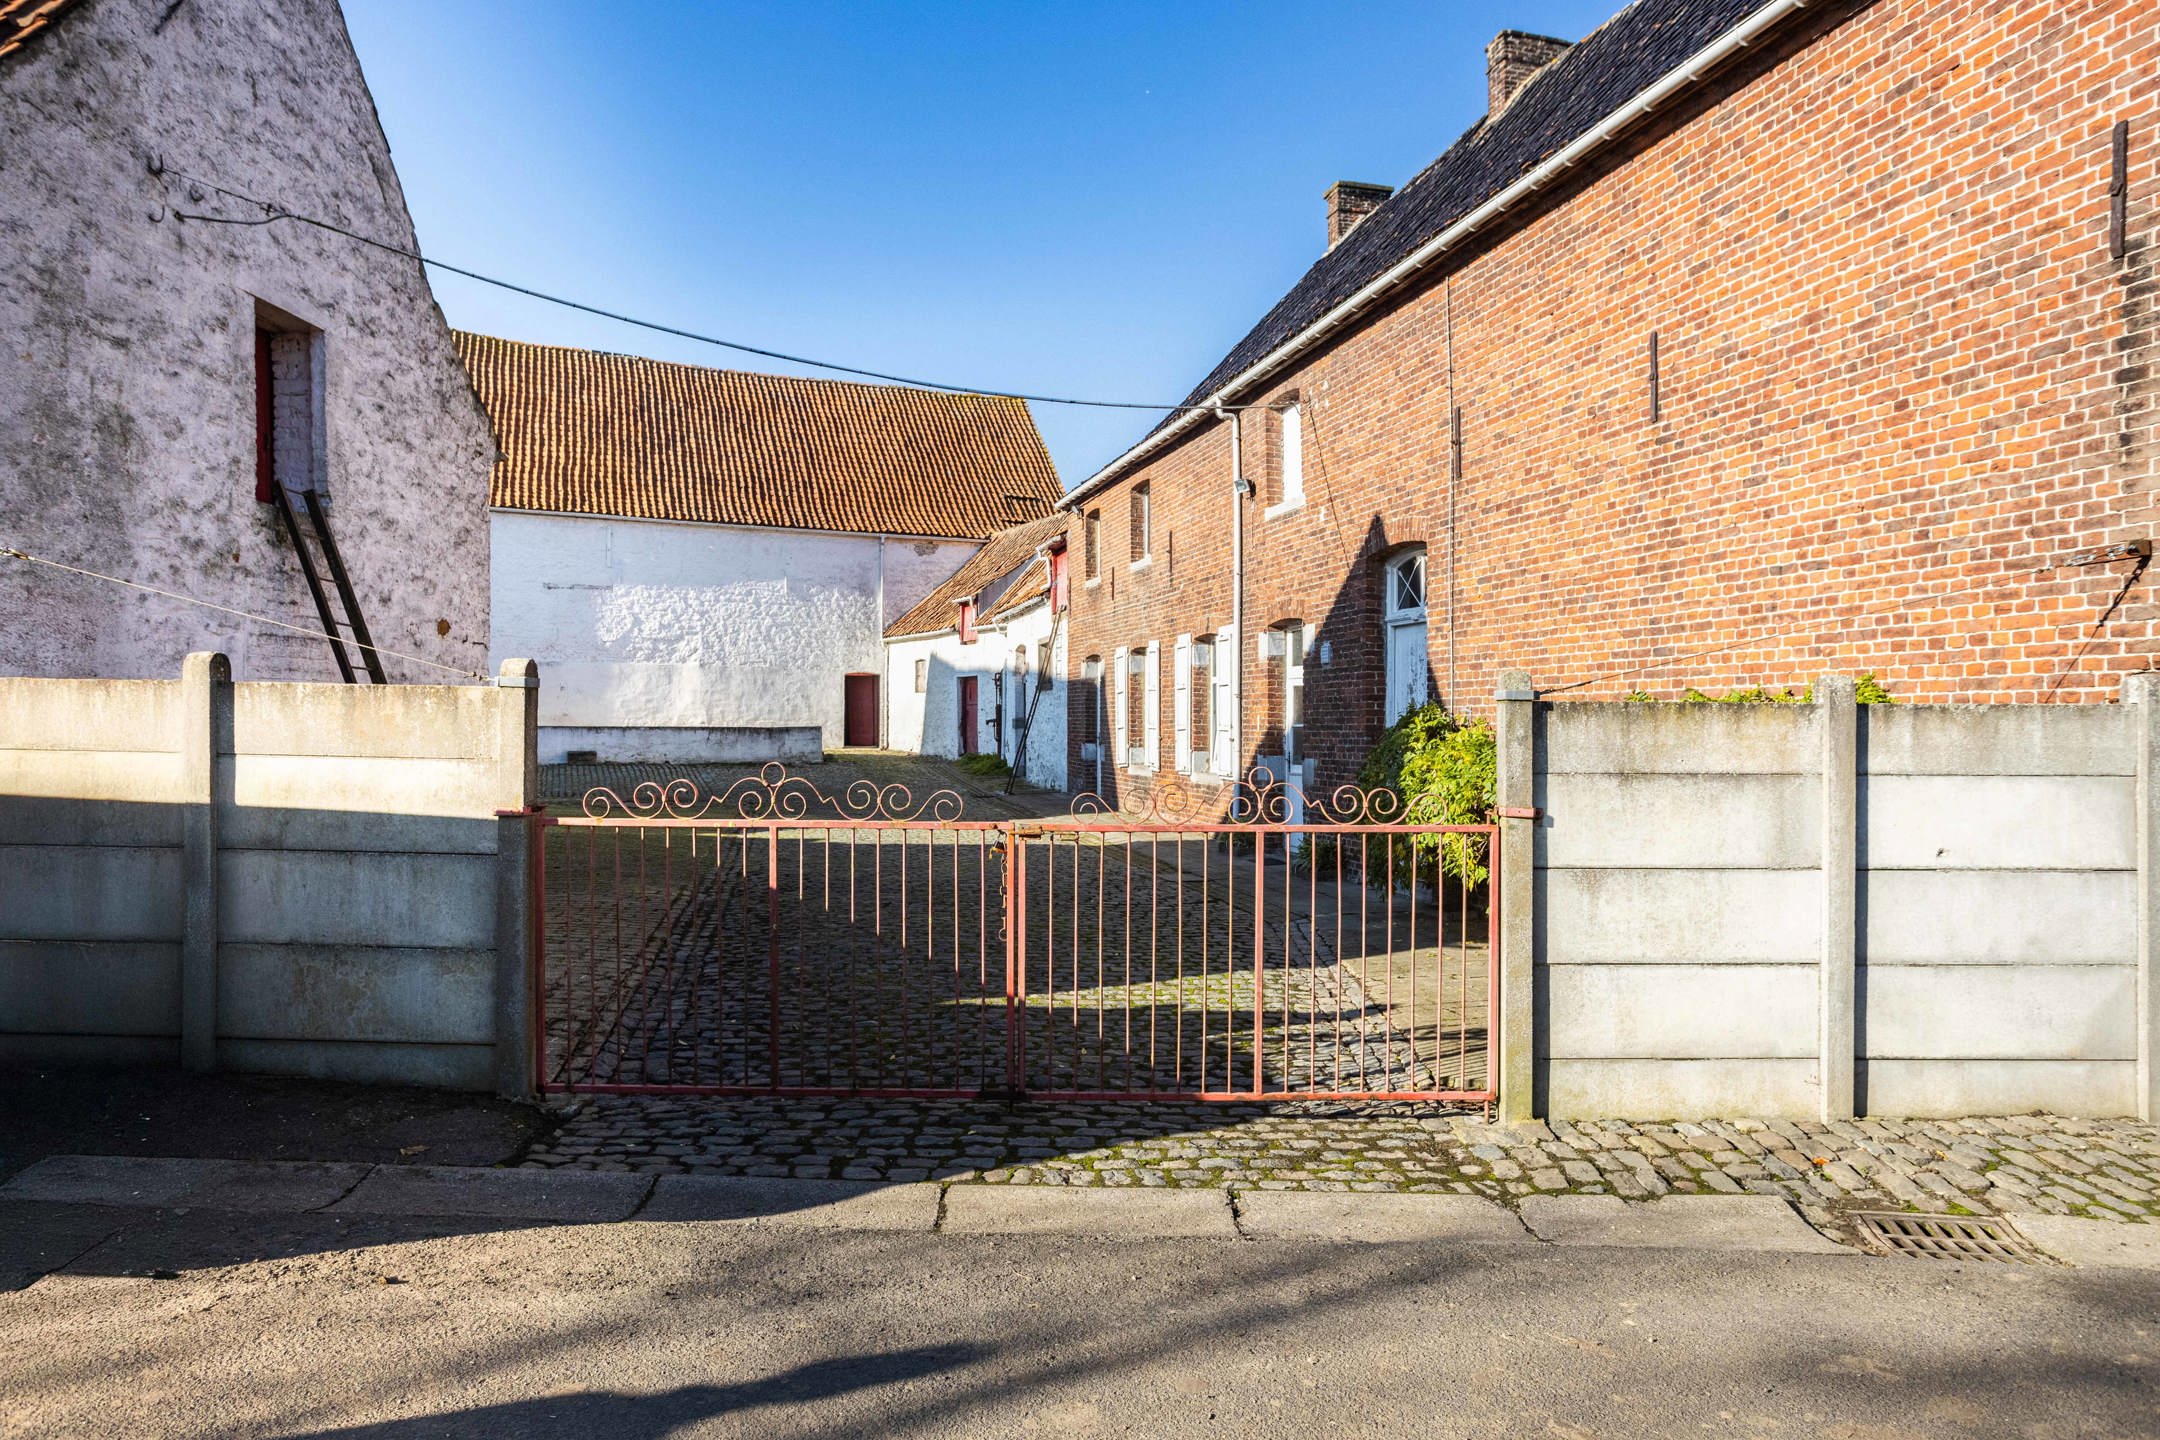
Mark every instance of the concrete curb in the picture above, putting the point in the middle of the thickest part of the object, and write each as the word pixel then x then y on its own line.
pixel 1377 1218
pixel 1712 1223
pixel 1061 1210
pixel 2098 1244
pixel 565 1195
pixel 275 1186
pixel 819 1204
pixel 1691 1222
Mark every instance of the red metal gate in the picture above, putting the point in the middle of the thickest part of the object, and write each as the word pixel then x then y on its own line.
pixel 776 940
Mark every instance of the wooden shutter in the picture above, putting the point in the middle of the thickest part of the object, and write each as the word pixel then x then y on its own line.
pixel 1121 715
pixel 1181 707
pixel 1226 720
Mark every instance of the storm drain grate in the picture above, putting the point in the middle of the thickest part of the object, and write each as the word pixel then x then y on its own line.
pixel 1948 1237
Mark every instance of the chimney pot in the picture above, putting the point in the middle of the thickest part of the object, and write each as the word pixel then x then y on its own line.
pixel 1349 201
pixel 1513 57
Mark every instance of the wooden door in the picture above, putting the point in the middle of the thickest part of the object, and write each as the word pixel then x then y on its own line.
pixel 861 727
pixel 969 727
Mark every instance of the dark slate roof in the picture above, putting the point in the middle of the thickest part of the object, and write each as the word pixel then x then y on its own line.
pixel 1619 60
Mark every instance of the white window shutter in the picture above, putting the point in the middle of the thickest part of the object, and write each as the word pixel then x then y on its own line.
pixel 1151 723
pixel 1181 708
pixel 1121 717
pixel 1226 721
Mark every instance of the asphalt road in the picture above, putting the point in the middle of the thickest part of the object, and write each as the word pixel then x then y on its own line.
pixel 251 1325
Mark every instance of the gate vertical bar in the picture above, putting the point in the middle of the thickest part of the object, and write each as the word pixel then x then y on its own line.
pixel 1015 959
pixel 1259 959
pixel 772 953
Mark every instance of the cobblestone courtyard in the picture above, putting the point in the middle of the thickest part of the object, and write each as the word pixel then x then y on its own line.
pixel 2105 1170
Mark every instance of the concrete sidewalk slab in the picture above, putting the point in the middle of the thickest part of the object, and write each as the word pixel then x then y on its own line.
pixel 1682 1222
pixel 2093 1243
pixel 826 1204
pixel 1061 1210
pixel 263 1185
pixel 575 1196
pixel 1320 1215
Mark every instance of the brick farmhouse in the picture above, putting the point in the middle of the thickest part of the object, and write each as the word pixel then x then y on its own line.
pixel 1741 342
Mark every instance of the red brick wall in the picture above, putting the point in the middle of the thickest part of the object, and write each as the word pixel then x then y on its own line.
pixel 1901 380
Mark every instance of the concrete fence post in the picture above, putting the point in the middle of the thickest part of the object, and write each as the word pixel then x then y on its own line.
pixel 1835 702
pixel 1514 939
pixel 517 852
pixel 518 844
pixel 206 711
pixel 2143 691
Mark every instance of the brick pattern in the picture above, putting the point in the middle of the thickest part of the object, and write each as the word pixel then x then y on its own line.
pixel 1902 380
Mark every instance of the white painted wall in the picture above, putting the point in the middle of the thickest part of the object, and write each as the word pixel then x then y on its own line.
pixel 928 723
pixel 640 624
pixel 127 400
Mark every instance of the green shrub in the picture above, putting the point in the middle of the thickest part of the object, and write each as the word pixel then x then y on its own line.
pixel 1442 771
pixel 987 765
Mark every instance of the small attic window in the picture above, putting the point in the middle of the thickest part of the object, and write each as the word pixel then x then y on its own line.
pixel 967 622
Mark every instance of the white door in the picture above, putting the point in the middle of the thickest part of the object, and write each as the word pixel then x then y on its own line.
pixel 1408 669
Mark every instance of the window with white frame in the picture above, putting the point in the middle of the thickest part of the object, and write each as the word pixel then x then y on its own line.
pixel 1290 488
pixel 1408 672
pixel 922 677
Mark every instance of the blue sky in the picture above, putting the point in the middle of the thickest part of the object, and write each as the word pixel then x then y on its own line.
pixel 1073 199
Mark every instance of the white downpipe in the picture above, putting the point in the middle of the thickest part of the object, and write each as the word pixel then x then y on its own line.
pixel 1733 41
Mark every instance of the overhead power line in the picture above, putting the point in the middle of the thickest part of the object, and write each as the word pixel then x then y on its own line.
pixel 273 212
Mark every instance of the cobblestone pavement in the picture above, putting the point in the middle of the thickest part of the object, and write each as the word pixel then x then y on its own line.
pixel 2105 1170
pixel 878 960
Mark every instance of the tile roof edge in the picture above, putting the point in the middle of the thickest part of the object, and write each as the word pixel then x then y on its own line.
pixel 587 350
pixel 955 539
pixel 1608 128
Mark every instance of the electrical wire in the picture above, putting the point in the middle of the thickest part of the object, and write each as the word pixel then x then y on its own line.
pixel 14 554
pixel 274 212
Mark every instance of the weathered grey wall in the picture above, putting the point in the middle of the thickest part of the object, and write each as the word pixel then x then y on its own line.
pixel 288 878
pixel 1999 909
pixel 1678 875
pixel 127 401
pixel 93 789
pixel 1827 909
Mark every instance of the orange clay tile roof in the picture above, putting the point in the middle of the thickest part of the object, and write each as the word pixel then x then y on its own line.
pixel 591 433
pixel 1001 555
pixel 21 21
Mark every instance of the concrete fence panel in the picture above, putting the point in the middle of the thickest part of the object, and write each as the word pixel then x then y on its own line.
pixel 289 878
pixel 1829 909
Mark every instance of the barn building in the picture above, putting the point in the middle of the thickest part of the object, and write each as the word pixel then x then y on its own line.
pixel 704 561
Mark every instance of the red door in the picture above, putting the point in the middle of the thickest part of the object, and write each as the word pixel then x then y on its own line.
pixel 861 727
pixel 969 726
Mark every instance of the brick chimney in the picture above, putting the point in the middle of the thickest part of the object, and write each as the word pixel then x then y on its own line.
pixel 1349 201
pixel 1510 60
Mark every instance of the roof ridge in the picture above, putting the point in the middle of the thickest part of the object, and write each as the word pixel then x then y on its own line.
pixel 762 375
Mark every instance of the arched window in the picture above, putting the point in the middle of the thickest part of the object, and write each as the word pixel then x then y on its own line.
pixel 1409 672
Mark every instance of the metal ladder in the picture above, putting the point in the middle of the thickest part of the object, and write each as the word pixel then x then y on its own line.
pixel 1027 722
pixel 309 530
